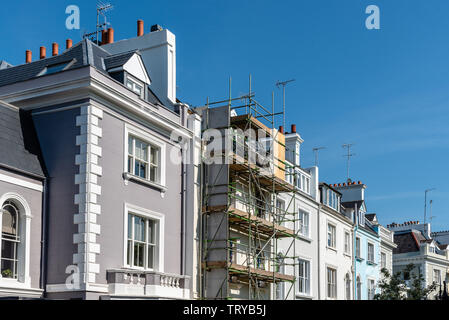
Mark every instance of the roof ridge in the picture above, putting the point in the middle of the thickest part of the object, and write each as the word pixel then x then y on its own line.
pixel 8 105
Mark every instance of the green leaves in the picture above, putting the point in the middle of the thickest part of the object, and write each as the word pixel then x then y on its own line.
pixel 394 287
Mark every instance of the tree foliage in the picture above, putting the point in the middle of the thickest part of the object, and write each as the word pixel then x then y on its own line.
pixel 394 287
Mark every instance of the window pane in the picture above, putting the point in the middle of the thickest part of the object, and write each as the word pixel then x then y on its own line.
pixel 139 229
pixel 130 252
pixel 8 249
pixel 130 145
pixel 154 156
pixel 8 268
pixel 139 249
pixel 153 174
pixel 130 164
pixel 151 256
pixel 151 232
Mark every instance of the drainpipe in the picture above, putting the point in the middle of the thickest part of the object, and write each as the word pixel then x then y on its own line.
pixel 44 237
pixel 319 245
pixel 183 214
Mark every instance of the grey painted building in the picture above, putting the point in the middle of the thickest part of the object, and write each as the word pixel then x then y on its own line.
pixel 114 166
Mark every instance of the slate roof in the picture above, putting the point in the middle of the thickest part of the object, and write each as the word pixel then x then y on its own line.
pixel 406 241
pixel 118 59
pixel 82 54
pixel 18 142
pixel 351 204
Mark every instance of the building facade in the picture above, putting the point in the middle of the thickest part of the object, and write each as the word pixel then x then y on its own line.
pixel 112 199
pixel 417 245
pixel 300 258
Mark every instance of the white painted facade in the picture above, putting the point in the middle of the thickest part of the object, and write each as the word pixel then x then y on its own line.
pixel 334 257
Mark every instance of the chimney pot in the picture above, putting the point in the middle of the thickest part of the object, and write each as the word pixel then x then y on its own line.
pixel 140 29
pixel 110 35
pixel 43 52
pixel 344 184
pixel 293 128
pixel 68 43
pixel 104 37
pixel 281 129
pixel 55 49
pixel 360 182
pixel 28 56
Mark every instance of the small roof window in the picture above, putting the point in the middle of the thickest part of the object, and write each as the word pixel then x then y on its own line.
pixel 55 68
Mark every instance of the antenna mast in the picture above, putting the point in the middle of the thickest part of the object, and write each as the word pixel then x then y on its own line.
pixel 425 202
pixel 102 8
pixel 283 84
pixel 348 155
pixel 315 151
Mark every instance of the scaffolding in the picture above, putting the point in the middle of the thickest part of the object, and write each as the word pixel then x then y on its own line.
pixel 242 220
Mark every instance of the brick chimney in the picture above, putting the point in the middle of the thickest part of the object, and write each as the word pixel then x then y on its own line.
pixel 104 37
pixel 110 36
pixel 43 52
pixel 140 29
pixel 28 56
pixel 68 43
pixel 55 49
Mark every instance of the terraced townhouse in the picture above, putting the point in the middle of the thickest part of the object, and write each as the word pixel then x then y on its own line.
pixel 97 197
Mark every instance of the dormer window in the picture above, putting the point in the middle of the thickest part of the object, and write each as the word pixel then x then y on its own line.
pixel 135 86
pixel 330 198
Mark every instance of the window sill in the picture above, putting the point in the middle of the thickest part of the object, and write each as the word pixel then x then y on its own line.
pixel 331 248
pixel 359 259
pixel 347 254
pixel 371 263
pixel 305 238
pixel 304 296
pixel 130 177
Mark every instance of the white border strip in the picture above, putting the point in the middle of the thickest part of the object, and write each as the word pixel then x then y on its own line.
pixel 22 183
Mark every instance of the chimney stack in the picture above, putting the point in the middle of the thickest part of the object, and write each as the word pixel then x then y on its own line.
pixel 55 48
pixel 28 56
pixel 43 52
pixel 140 29
pixel 104 37
pixel 281 129
pixel 110 35
pixel 68 43
pixel 293 128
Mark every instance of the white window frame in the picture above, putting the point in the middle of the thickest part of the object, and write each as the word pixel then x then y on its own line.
pixel 369 258
pixel 147 214
pixel 347 242
pixel 358 248
pixel 307 279
pixel 23 279
pixel 371 288
pixel 383 262
pixel 333 238
pixel 435 273
pixel 300 226
pixel 148 138
pixel 329 284
pixel 134 83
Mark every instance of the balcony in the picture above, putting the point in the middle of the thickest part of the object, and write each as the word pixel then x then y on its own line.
pixel 134 284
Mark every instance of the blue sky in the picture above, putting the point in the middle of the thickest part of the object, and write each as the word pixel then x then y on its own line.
pixel 386 91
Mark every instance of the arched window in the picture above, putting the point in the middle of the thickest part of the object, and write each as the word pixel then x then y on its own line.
pixel 359 288
pixel 10 240
pixel 348 286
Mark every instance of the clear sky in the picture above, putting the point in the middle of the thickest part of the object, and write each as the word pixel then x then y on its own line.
pixel 386 91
